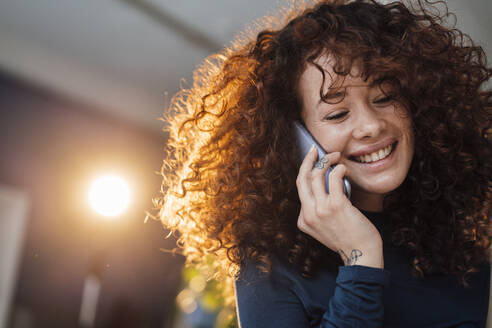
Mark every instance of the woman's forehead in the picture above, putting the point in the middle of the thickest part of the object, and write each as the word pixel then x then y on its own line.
pixel 322 73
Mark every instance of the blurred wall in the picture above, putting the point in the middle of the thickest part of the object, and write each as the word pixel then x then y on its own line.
pixel 13 216
pixel 51 148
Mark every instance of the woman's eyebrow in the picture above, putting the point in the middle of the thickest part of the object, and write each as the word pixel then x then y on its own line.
pixel 331 97
pixel 342 92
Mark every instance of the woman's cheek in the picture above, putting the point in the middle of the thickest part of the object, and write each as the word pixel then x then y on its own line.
pixel 334 142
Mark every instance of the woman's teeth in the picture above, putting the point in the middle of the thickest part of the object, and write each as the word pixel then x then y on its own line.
pixel 375 156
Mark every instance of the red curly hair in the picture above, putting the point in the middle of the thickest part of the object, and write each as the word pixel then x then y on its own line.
pixel 229 174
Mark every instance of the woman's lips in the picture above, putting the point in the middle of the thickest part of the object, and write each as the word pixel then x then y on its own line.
pixel 377 162
pixel 375 147
pixel 375 156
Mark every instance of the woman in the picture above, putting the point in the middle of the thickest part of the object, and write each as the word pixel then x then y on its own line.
pixel 394 97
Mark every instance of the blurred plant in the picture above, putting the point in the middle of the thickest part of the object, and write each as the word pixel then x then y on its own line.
pixel 203 292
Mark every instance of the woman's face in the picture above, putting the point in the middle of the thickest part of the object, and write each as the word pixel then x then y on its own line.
pixel 372 133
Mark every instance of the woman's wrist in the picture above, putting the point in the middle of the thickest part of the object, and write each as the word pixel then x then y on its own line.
pixel 367 256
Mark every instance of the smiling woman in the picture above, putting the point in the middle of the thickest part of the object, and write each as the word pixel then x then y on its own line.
pixel 371 130
pixel 397 101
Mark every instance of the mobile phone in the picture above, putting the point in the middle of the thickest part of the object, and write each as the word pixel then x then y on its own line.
pixel 305 140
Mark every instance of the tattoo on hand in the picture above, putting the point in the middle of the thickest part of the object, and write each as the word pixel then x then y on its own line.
pixel 354 256
pixel 321 163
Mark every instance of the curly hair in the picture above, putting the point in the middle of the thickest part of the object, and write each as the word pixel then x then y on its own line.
pixel 229 175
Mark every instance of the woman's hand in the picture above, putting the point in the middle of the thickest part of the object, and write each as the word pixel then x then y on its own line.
pixel 331 218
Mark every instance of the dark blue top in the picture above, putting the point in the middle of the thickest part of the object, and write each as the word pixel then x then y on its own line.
pixel 361 296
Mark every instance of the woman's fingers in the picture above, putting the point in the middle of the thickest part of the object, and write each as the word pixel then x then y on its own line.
pixel 308 161
pixel 335 183
pixel 303 183
pixel 318 176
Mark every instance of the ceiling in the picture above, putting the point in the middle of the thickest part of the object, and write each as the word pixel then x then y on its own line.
pixel 128 57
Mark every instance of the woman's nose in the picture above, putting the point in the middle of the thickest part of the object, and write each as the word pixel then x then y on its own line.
pixel 369 124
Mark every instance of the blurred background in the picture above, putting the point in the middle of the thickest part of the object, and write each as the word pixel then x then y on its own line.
pixel 82 87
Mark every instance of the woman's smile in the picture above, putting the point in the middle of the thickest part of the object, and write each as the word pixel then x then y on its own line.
pixel 367 126
pixel 375 153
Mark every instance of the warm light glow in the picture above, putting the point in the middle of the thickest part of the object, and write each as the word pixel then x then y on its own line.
pixel 186 301
pixel 197 284
pixel 109 195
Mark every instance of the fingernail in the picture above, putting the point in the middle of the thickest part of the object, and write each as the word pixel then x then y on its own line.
pixel 312 148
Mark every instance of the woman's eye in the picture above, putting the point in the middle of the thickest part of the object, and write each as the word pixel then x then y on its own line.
pixel 384 100
pixel 336 116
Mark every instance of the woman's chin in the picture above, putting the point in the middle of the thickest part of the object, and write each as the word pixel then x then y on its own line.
pixel 376 188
